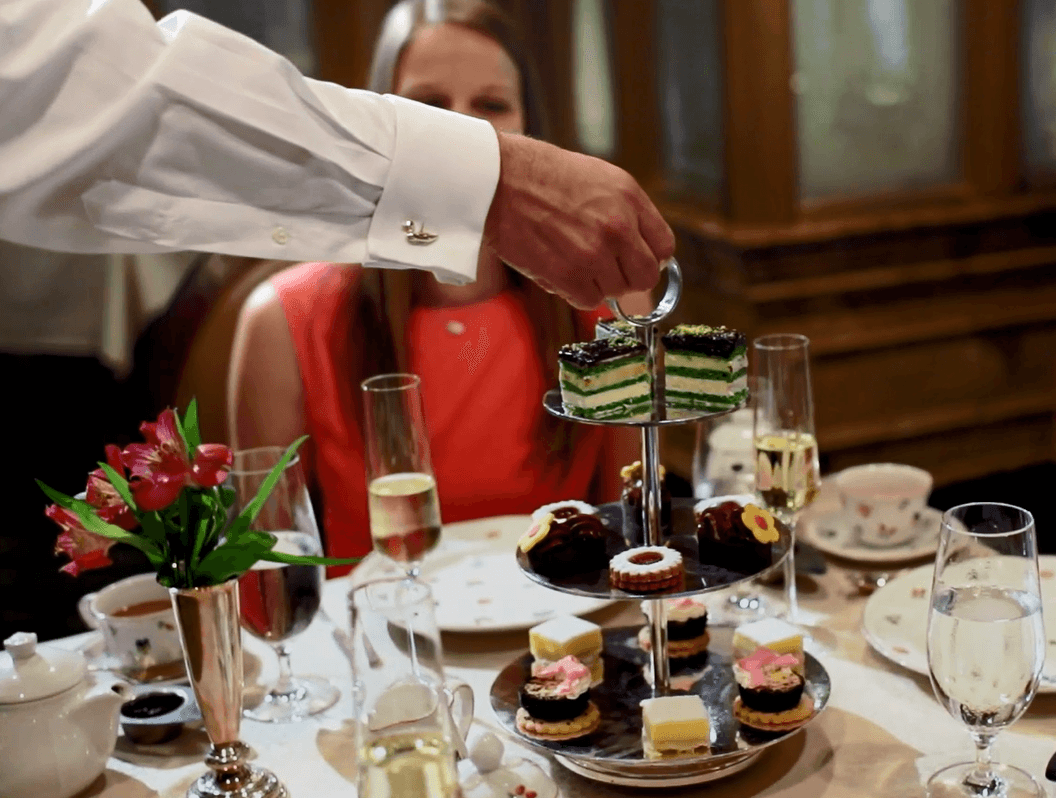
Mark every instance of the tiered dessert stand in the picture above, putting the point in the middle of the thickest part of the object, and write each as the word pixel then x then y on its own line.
pixel 613 754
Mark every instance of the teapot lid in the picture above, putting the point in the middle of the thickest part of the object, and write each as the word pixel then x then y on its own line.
pixel 28 672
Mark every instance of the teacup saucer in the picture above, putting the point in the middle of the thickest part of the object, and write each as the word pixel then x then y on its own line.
pixel 833 535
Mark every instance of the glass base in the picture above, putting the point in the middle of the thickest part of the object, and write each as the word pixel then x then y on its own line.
pixel 307 696
pixel 739 606
pixel 256 782
pixel 1003 781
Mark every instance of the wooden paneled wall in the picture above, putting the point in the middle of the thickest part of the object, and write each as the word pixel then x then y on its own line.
pixel 933 346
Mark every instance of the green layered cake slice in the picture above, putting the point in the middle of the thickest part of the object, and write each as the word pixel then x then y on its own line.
pixel 706 368
pixel 604 378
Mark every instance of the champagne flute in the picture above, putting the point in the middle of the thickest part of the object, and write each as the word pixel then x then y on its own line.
pixel 401 489
pixel 278 601
pixel 986 641
pixel 786 461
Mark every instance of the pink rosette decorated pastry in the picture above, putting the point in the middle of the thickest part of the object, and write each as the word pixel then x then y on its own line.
pixel 771 694
pixel 555 701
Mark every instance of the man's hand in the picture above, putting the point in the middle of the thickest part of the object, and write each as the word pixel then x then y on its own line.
pixel 578 226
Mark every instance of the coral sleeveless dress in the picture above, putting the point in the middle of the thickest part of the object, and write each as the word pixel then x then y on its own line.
pixel 482 387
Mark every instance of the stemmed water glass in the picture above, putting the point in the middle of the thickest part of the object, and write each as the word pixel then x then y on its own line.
pixel 787 475
pixel 278 601
pixel 986 640
pixel 401 489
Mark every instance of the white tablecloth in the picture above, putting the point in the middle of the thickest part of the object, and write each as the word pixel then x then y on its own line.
pixel 882 733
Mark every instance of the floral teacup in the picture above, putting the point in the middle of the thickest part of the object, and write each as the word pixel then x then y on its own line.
pixel 138 625
pixel 883 502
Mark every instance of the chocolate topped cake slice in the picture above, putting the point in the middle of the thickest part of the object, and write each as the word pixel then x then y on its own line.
pixel 706 368
pixel 604 378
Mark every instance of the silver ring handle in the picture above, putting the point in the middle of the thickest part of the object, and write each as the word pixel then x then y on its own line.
pixel 667 302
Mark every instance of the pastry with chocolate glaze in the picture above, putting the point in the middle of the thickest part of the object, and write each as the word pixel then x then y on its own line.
pixel 739 538
pixel 565 542
pixel 605 378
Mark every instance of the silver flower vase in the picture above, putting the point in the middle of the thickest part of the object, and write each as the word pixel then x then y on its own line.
pixel 207 618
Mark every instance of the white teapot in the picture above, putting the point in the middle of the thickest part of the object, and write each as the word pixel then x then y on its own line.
pixel 57 726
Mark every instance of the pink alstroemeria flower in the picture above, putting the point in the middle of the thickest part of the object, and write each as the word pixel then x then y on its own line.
pixel 160 467
pixel 85 549
pixel 104 496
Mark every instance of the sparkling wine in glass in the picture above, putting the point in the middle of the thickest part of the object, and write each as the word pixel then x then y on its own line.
pixel 986 640
pixel 401 489
pixel 279 601
pixel 786 452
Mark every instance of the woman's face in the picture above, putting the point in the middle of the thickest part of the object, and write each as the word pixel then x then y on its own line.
pixel 459 69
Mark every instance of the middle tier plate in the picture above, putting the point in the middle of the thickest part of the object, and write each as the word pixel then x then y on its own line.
pixel 701 577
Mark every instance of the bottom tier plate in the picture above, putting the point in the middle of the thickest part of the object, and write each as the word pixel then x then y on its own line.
pixel 613 753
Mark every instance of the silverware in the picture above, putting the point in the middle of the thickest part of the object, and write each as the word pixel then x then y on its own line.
pixel 868 582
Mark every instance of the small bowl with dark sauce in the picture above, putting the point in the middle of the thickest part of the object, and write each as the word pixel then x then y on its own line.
pixel 156 715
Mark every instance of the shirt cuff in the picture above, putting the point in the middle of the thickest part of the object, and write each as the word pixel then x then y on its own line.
pixel 443 175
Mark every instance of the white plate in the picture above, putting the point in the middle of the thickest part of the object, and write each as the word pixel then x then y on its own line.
pixel 895 619
pixel 833 535
pixel 476 582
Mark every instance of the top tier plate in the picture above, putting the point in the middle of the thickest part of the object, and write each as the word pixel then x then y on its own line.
pixel 665 414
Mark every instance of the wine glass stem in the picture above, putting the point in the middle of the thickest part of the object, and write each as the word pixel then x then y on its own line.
pixel 791 592
pixel 981 780
pixel 284 686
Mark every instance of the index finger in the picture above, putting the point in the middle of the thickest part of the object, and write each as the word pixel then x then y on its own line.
pixel 657 233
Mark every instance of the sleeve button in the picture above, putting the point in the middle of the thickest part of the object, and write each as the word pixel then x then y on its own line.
pixel 280 235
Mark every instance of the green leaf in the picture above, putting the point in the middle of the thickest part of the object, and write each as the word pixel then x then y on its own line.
pixel 93 523
pixel 120 485
pixel 183 435
pixel 154 529
pixel 232 558
pixel 192 434
pixel 249 512
pixel 299 559
pixel 185 521
pixel 227 496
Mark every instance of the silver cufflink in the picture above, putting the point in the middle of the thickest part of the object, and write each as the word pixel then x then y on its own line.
pixel 419 236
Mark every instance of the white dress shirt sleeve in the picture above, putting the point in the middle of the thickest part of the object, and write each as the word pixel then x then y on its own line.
pixel 120 134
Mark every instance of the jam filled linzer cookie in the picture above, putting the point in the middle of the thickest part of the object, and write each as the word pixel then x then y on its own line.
pixel 555 702
pixel 770 692
pixel 646 569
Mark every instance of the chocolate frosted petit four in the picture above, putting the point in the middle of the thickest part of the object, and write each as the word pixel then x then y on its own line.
pixel 645 569
pixel 675 726
pixel 687 627
pixel 770 694
pixel 634 502
pixel 565 542
pixel 573 504
pixel 604 378
pixel 705 368
pixel 555 702
pixel 773 634
pixel 567 635
pixel 735 537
